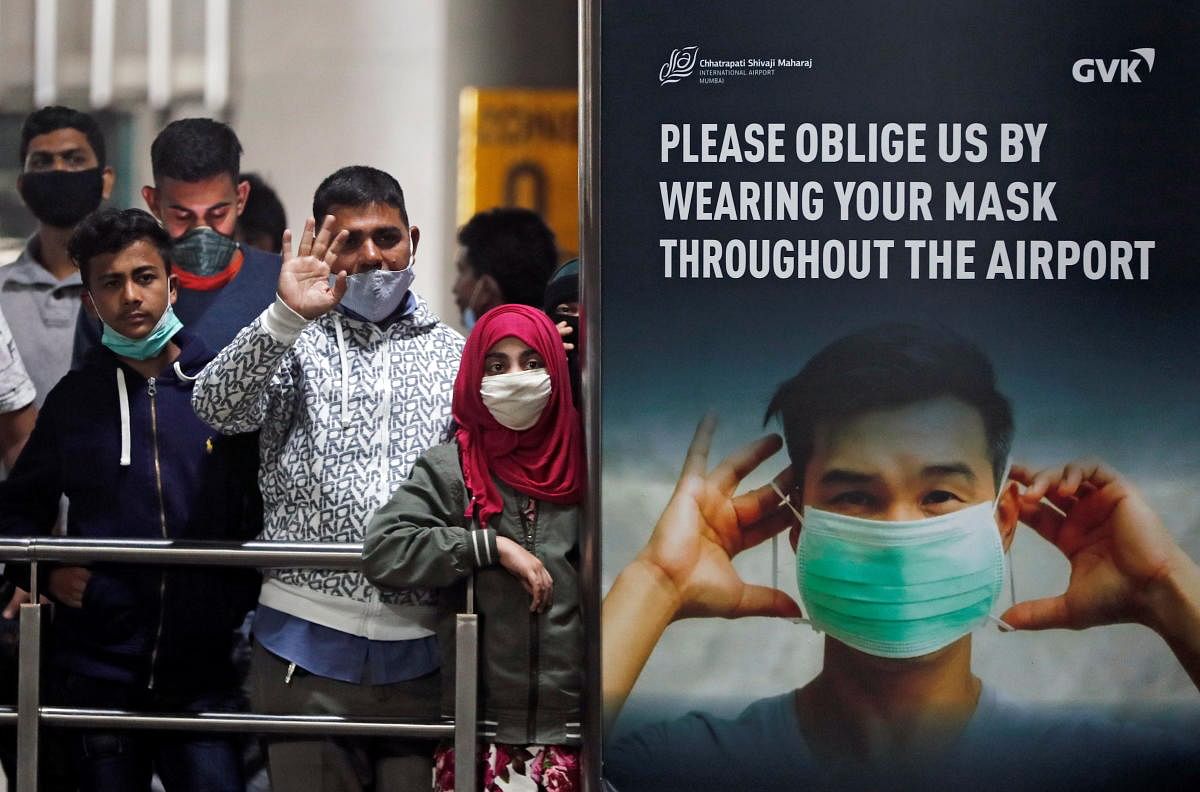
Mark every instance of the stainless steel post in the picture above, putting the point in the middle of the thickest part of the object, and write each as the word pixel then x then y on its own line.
pixel 466 689
pixel 28 695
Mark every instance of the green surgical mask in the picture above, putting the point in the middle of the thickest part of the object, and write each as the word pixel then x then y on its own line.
pixel 143 348
pixel 899 589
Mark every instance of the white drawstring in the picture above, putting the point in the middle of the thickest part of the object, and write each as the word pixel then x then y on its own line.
pixel 184 377
pixel 345 368
pixel 1001 624
pixel 123 399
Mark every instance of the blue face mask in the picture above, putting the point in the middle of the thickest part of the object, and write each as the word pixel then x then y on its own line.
pixel 143 348
pixel 469 315
pixel 376 295
pixel 899 589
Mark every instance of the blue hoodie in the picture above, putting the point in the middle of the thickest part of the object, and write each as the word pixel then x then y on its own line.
pixel 135 462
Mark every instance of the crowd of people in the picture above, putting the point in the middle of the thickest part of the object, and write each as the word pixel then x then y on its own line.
pixel 191 373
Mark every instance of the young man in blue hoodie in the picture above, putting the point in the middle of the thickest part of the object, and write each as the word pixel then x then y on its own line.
pixel 120 439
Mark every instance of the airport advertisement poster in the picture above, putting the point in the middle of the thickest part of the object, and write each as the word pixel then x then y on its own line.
pixel 774 177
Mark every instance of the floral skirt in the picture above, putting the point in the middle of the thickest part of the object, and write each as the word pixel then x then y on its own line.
pixel 520 768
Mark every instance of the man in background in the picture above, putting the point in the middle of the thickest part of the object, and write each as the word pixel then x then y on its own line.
pixel 505 256
pixel 198 194
pixel 64 177
pixel 263 221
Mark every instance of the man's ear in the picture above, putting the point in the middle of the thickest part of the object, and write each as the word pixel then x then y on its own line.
pixel 414 236
pixel 108 178
pixel 1008 511
pixel 490 291
pixel 243 193
pixel 150 196
pixel 173 287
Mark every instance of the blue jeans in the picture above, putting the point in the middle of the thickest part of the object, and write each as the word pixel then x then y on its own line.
pixel 125 761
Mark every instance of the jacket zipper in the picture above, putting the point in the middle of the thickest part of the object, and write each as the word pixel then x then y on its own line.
pixel 152 389
pixel 531 725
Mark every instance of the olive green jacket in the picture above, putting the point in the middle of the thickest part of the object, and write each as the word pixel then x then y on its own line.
pixel 531 664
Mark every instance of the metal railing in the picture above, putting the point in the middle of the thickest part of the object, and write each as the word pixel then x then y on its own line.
pixel 29 714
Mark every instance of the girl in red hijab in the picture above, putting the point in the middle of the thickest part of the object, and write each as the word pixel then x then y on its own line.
pixel 500 505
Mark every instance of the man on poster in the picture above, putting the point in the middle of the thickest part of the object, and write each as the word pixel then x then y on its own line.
pixel 898 440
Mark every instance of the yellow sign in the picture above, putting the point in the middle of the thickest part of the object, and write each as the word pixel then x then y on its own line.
pixel 521 148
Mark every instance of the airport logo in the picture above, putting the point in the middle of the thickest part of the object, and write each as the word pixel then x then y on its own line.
pixel 679 65
pixel 686 62
pixel 1124 70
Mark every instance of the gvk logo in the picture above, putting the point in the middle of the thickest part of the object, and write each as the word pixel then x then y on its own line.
pixel 679 65
pixel 1086 70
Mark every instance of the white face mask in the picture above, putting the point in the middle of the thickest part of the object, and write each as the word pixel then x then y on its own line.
pixel 516 400
pixel 375 295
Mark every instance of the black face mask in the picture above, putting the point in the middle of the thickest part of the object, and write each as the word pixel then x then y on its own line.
pixel 62 198
pixel 573 355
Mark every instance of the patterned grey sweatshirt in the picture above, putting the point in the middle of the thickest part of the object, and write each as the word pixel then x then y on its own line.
pixel 344 408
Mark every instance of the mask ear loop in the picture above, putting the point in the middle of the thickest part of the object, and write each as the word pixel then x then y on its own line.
pixel 1002 625
pixel 785 500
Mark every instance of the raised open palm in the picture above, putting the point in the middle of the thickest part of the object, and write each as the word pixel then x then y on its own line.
pixel 304 278
pixel 704 526
pixel 1116 544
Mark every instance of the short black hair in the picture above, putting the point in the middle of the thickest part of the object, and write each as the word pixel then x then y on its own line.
pixel 111 231
pixel 890 366
pixel 514 246
pixel 357 185
pixel 195 149
pixel 263 213
pixel 55 117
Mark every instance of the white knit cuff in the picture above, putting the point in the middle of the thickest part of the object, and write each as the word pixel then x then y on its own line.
pixel 281 322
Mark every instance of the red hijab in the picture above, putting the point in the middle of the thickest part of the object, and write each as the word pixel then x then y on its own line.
pixel 545 460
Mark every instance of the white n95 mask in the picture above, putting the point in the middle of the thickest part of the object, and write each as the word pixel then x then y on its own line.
pixel 516 400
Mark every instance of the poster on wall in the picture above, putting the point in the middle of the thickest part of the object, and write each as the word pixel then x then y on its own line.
pixel 899 358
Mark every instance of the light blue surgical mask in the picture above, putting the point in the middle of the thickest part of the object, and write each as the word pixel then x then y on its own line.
pixel 143 348
pixel 375 295
pixel 899 589
pixel 469 315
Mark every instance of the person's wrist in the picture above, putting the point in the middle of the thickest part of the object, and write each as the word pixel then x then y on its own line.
pixel 505 548
pixel 283 322
pixel 658 588
pixel 1170 604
